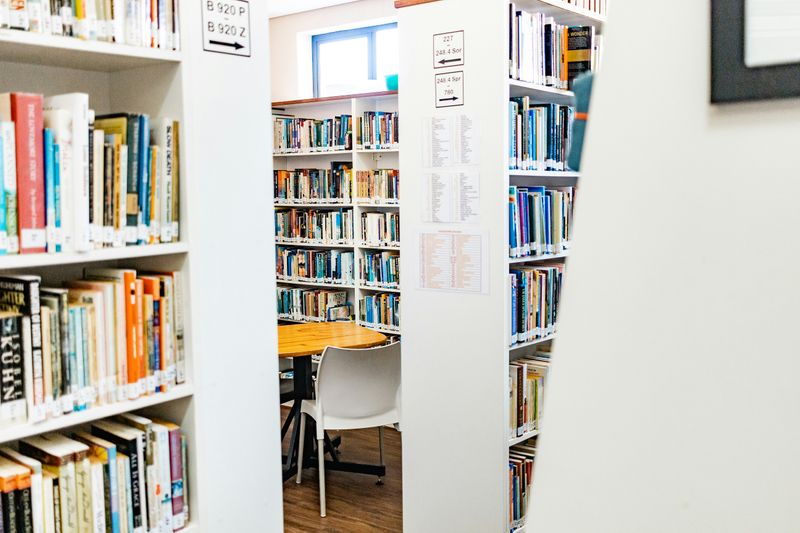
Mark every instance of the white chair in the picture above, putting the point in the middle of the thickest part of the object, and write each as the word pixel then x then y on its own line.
pixel 355 389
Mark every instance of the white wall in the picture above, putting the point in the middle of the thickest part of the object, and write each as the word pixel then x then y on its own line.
pixel 674 397
pixel 233 287
pixel 290 41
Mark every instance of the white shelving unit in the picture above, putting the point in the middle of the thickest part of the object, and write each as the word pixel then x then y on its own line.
pixel 226 370
pixel 460 340
pixel 361 159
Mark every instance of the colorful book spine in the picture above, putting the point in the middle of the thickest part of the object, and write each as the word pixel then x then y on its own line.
pixel 26 111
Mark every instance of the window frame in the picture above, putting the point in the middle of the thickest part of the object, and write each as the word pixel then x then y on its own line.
pixel 342 35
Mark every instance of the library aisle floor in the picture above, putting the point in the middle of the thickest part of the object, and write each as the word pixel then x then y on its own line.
pixel 355 503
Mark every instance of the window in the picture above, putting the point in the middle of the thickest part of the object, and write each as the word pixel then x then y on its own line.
pixel 354 61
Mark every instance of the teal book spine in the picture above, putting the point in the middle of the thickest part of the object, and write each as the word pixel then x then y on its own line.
pixel 57 194
pixel 3 232
pixel 49 189
pixel 113 488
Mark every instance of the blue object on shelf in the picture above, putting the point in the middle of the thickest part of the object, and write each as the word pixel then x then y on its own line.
pixel 391 82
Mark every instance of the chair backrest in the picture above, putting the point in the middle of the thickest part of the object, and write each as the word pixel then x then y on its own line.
pixel 355 383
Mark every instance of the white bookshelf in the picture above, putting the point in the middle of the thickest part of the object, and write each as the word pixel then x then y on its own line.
pixel 459 335
pixel 361 159
pixel 187 85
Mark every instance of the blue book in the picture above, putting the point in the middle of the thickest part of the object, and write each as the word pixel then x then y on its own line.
pixel 144 176
pixel 75 371
pixel 513 281
pixel 57 192
pixel 49 189
pixel 547 224
pixel 512 135
pixel 512 227
pixel 3 230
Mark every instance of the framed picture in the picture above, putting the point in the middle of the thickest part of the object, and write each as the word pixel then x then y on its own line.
pixel 755 50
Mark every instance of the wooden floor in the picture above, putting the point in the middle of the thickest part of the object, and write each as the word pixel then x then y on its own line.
pixel 355 503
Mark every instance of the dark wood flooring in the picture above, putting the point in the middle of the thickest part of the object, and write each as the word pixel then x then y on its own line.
pixel 354 502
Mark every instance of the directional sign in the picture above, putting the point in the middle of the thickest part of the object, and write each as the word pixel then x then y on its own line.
pixel 226 27
pixel 449 89
pixel 448 49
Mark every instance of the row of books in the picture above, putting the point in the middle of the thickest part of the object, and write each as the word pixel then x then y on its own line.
pixel 122 475
pixel 148 23
pixel 520 479
pixel 540 220
pixel 110 337
pixel 527 378
pixel 301 135
pixel 596 6
pixel 377 130
pixel 313 305
pixel 539 135
pixel 544 52
pixel 380 269
pixel 378 186
pixel 335 186
pixel 535 293
pixel 334 267
pixel 87 182
pixel 381 309
pixel 312 226
pixel 380 229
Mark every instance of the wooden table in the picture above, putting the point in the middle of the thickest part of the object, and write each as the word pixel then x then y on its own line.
pixel 301 341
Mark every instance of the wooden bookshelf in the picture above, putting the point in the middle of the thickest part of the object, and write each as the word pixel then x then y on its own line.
pixel 459 334
pixel 362 159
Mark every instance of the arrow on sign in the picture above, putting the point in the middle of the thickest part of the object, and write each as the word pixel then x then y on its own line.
pixel 223 43
pixel 445 61
pixel 452 98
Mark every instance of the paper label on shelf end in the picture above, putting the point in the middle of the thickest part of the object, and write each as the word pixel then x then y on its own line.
pixel 130 234
pixel 151 383
pixel 143 233
pixel 67 403
pixel 38 413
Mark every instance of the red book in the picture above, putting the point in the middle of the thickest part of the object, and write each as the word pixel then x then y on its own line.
pixel 26 112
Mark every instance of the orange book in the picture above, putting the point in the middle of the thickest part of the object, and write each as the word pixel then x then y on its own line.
pixel 142 360
pixel 152 286
pixel 133 344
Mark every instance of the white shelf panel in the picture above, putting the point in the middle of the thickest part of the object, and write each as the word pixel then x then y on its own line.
pixel 379 327
pixel 57 50
pixel 95 413
pixel 377 150
pixel 313 244
pixel 313 204
pixel 315 154
pixel 377 246
pixel 563 12
pixel 536 258
pixel 190 528
pixel 315 284
pixel 522 438
pixel 367 203
pixel 378 289
pixel 544 173
pixel 20 261
pixel 534 342
pixel 540 93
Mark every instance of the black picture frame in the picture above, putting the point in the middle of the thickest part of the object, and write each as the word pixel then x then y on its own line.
pixel 731 79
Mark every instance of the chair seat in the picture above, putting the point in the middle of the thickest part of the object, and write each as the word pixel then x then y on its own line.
pixel 309 407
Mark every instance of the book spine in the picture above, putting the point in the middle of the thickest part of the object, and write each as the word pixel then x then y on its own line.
pixel 24 510
pixel 145 180
pixel 133 179
pixel 9 510
pixel 28 119
pixel 9 162
pixel 49 190
pixel 83 495
pixel 11 366
pixel 3 233
pixel 176 476
pixel 98 498
pixel 114 494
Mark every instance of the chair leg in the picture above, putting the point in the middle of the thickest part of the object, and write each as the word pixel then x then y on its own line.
pixel 300 448
pixel 380 448
pixel 321 467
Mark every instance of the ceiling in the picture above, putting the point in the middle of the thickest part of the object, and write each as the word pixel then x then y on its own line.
pixel 278 8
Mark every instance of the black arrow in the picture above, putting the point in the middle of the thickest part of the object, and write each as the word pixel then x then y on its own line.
pixel 453 98
pixel 444 61
pixel 223 43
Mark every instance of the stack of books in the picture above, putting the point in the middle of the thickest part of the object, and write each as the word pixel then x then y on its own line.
pixel 377 186
pixel 527 378
pixel 311 226
pixel 148 23
pixel 325 267
pixel 309 135
pixel 539 135
pixel 545 53
pixel 540 220
pixel 380 229
pixel 112 336
pixel 71 182
pixel 520 479
pixel 380 310
pixel 309 186
pixel 128 473
pixel 378 130
pixel 380 269
pixel 535 293
pixel 313 305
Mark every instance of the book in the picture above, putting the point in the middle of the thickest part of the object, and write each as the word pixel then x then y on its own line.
pixel 326 267
pixel 378 130
pixel 311 226
pixel 536 293
pixel 105 453
pixel 380 229
pixel 8 133
pixel 380 310
pixel 539 135
pixel 380 186
pixel 313 186
pixel 302 135
pixel 57 458
pixel 13 407
pixel 380 268
pixel 540 220
pixel 312 305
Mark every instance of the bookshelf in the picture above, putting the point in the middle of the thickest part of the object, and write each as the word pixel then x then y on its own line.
pixel 361 159
pixel 185 85
pixel 462 335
